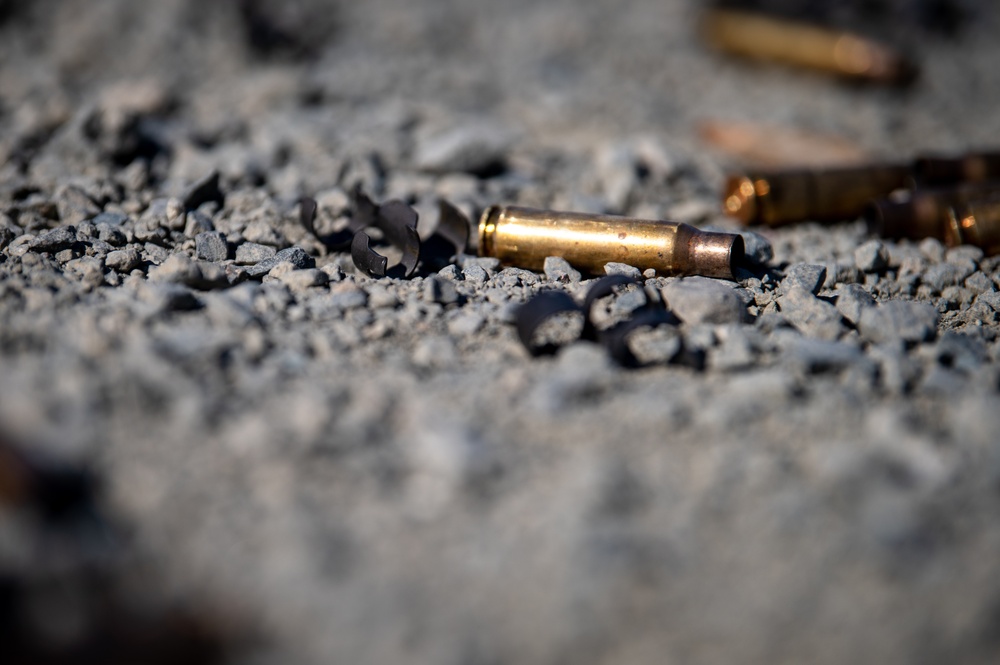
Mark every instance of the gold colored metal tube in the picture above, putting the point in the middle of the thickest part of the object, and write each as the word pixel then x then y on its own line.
pixel 524 237
pixel 775 198
pixel 975 223
pixel 842 53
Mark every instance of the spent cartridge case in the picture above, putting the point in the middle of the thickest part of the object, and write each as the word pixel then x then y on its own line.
pixel 524 237
pixel 844 54
pixel 975 223
pixel 775 198
pixel 971 167
pixel 923 213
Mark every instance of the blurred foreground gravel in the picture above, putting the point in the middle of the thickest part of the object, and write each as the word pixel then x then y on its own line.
pixel 331 468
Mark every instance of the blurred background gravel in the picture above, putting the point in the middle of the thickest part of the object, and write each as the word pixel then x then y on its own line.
pixel 323 467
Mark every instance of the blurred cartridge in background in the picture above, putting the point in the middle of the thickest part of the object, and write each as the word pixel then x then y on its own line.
pixel 974 167
pixel 975 223
pixel 844 54
pixel 524 237
pixel 776 198
pixel 923 213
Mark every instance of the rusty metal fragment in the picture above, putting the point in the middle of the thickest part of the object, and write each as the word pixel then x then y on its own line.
pixel 524 237
pixel 532 315
pixel 844 54
pixel 397 223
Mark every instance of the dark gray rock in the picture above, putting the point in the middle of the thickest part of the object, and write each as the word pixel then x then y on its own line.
pixel 872 257
pixel 899 320
pixel 6 235
pixel 805 276
pixel 54 240
pixel 852 299
pixel 211 246
pixel 702 300
pixel 75 205
pixel 297 256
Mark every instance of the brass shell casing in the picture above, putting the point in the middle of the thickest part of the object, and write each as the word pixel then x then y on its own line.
pixel 836 52
pixel 524 237
pixel 975 223
pixel 974 167
pixel 924 213
pixel 776 198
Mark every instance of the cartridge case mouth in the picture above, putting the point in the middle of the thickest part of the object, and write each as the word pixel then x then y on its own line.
pixel 716 254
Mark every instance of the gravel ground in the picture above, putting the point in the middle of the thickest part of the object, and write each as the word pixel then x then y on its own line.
pixel 334 468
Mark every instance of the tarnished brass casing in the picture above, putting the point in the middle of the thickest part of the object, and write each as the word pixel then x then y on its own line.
pixel 972 167
pixel 842 53
pixel 975 223
pixel 775 198
pixel 923 213
pixel 524 237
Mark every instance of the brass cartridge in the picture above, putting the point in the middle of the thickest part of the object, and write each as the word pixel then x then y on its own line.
pixel 836 52
pixel 524 237
pixel 775 198
pixel 975 223
pixel 973 167
pixel 923 213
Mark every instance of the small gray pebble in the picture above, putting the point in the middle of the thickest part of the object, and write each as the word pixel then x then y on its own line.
pixel 558 269
pixel 475 274
pixel 991 298
pixel 702 300
pixel 450 272
pixel 614 268
pixel 806 276
pixel 211 246
pixel 810 315
pixel 110 218
pixel 908 321
pixel 465 324
pixel 978 282
pixel 872 256
pixel 251 253
pixel 54 240
pixel 111 235
pixel 943 275
pixel 758 248
pixel 297 256
pixel 440 290
pixel 852 299
pixel 932 249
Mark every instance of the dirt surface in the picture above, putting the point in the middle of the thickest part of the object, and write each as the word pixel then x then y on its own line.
pixel 310 465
